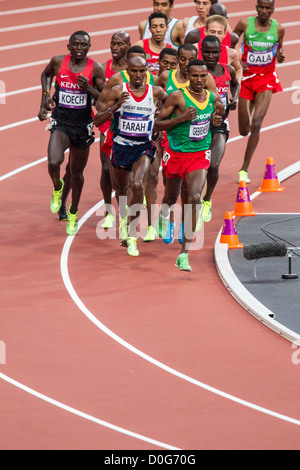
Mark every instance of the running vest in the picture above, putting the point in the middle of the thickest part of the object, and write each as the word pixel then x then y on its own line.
pixel 168 37
pixel 149 79
pixel 193 136
pixel 152 57
pixel 109 71
pixel 173 84
pixel 73 103
pixel 133 122
pixel 223 84
pixel 223 56
pixel 226 40
pixel 190 26
pixel 259 48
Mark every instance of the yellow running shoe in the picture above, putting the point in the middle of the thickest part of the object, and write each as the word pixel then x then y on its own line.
pixel 200 219
pixel 132 247
pixel 151 234
pixel 123 230
pixel 72 223
pixel 243 176
pixel 55 202
pixel 207 210
pixel 109 221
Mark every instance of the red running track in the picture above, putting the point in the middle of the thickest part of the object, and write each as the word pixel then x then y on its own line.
pixel 104 351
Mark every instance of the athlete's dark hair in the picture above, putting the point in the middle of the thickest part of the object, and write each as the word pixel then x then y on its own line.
pixel 187 47
pixel 167 51
pixel 211 40
pixel 157 14
pixel 79 33
pixel 136 50
pixel 212 1
pixel 196 62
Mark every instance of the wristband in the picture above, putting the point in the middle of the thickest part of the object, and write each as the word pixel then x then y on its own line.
pixel 46 92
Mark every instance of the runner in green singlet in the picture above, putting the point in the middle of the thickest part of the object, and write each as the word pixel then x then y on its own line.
pixel 186 116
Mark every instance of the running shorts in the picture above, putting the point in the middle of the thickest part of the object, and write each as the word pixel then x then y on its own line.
pixel 124 156
pixel 259 82
pixel 222 129
pixel 108 143
pixel 80 134
pixel 179 163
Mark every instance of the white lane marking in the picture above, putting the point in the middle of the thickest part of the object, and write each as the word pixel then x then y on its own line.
pixel 55 6
pixel 85 415
pixel 118 13
pixel 82 307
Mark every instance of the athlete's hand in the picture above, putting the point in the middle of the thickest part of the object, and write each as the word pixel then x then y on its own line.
pixel 244 66
pixel 232 103
pixel 216 118
pixel 189 114
pixel 280 55
pixel 122 98
pixel 83 82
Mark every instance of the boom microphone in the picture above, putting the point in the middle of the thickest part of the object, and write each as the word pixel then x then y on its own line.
pixel 265 250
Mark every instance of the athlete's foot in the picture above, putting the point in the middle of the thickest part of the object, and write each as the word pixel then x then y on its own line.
pixel 182 262
pixel 243 176
pixel 72 223
pixel 207 210
pixel 55 202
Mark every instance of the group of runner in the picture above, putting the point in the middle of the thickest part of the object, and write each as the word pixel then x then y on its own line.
pixel 164 101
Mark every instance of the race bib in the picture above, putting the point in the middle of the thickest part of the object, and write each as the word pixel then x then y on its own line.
pixel 75 99
pixel 199 129
pixel 134 126
pixel 260 58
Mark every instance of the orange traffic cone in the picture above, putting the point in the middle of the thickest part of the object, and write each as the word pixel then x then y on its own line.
pixel 270 182
pixel 243 205
pixel 229 234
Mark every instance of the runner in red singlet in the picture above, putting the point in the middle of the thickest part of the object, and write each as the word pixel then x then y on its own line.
pixel 79 80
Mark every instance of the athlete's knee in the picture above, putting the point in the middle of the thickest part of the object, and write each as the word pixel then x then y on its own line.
pixel 195 198
pixel 256 125
pixel 137 187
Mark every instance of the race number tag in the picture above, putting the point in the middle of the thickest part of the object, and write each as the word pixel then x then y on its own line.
pixel 74 99
pixel 260 58
pixel 134 126
pixel 199 129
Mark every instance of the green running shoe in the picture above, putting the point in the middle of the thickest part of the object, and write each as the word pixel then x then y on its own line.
pixel 55 203
pixel 243 176
pixel 72 223
pixel 182 262
pixel 132 247
pixel 207 210
pixel 151 234
pixel 109 221
pixel 162 226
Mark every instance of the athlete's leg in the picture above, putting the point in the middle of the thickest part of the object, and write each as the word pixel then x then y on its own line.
pixel 139 175
pixel 151 185
pixel 195 182
pixel 58 144
pixel 105 178
pixel 260 108
pixel 78 161
pixel 217 152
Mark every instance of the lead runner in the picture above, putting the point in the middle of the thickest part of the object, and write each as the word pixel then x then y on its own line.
pixel 131 106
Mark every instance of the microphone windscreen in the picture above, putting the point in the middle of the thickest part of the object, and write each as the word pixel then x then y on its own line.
pixel 264 250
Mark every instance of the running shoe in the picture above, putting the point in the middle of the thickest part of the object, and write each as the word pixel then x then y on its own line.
pixel 55 203
pixel 151 234
pixel 144 202
pixel 123 229
pixel 62 213
pixel 72 224
pixel 182 262
pixel 109 221
pixel 132 247
pixel 207 210
pixel 162 226
pixel 181 232
pixel 243 176
pixel 169 236
pixel 200 219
